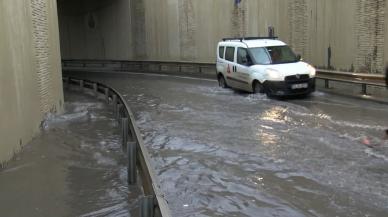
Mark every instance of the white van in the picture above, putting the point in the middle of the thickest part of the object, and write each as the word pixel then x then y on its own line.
pixel 263 65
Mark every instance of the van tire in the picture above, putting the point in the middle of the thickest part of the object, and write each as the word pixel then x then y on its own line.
pixel 257 87
pixel 221 81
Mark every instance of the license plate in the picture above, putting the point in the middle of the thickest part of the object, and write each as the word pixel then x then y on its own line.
pixel 299 86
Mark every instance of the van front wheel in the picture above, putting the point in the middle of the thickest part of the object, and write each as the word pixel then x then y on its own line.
pixel 258 87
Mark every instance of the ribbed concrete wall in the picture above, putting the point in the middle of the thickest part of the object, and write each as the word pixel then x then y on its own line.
pixel 371 34
pixel 40 26
pixel 386 35
pixel 30 72
pixel 340 34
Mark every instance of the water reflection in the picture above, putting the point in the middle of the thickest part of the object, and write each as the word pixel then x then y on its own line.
pixel 276 114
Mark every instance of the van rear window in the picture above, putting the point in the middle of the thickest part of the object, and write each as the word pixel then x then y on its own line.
pixel 229 54
pixel 221 50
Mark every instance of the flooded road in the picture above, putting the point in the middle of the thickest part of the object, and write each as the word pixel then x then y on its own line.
pixel 219 152
pixel 74 168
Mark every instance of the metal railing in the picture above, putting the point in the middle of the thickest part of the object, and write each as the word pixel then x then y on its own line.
pixel 201 69
pixel 362 79
pixel 153 204
pixel 142 66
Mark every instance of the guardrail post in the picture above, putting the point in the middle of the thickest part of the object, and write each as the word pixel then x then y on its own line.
pixel 131 168
pixel 200 70
pixel 114 100
pixel 180 68
pixel 66 81
pixel 124 132
pixel 147 206
pixel 81 84
pixel 118 111
pixel 142 67
pixel 363 89
pixel 107 94
pixel 327 83
pixel 95 87
pixel 132 132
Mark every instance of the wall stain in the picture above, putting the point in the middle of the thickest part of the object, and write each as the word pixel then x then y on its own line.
pixel 298 33
pixel 138 29
pixel 187 30
pixel 238 20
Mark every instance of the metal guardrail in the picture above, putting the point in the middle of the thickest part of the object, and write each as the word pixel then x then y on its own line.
pixel 363 79
pixel 153 204
pixel 143 66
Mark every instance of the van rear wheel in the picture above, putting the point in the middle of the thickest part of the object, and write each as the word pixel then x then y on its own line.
pixel 258 87
pixel 222 82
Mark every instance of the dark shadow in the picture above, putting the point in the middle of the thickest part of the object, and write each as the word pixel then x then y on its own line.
pixel 292 97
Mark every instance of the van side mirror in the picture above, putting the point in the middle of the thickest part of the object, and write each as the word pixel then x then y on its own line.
pixel 299 57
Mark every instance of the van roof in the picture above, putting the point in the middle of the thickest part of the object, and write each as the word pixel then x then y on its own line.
pixel 252 43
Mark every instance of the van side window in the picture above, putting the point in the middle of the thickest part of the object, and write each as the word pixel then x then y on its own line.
pixel 243 57
pixel 229 54
pixel 221 50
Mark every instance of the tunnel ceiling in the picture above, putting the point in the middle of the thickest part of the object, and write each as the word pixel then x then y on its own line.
pixel 79 7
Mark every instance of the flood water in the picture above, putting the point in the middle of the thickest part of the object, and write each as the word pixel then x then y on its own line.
pixel 218 152
pixel 74 168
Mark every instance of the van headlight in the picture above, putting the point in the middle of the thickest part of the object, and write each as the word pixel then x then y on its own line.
pixel 312 71
pixel 273 74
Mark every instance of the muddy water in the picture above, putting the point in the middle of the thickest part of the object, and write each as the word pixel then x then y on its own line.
pixel 75 168
pixel 220 152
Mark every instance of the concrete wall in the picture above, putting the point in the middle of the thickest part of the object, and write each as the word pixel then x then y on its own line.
pixel 353 31
pixel 30 71
pixel 97 29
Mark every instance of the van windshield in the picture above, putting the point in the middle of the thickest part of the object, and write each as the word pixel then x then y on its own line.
pixel 273 55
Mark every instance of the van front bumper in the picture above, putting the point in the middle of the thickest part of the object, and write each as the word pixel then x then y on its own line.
pixel 283 88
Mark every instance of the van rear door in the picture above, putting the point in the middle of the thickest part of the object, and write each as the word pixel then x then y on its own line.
pixel 231 67
pixel 221 65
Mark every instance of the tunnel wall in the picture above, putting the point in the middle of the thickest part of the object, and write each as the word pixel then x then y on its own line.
pixel 346 35
pixel 95 29
pixel 352 31
pixel 30 71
